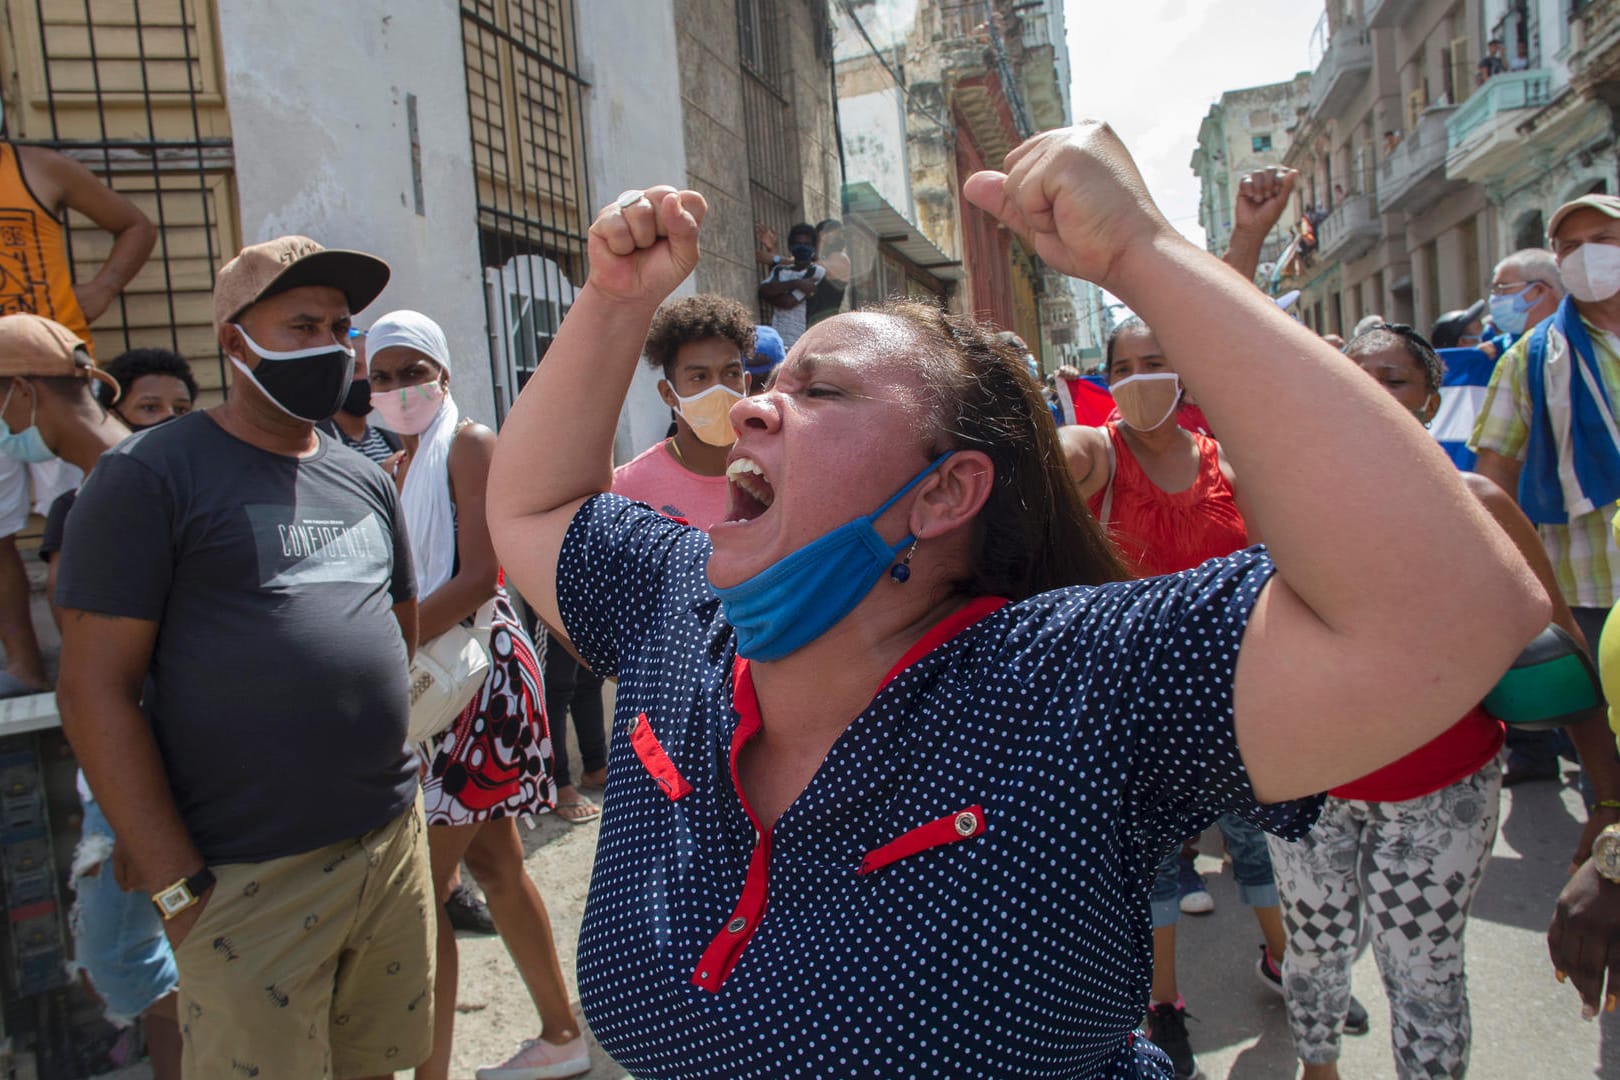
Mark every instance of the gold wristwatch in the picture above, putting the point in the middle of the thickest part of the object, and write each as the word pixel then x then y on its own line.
pixel 182 894
pixel 1606 853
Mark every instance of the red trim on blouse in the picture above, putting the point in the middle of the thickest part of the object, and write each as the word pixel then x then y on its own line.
pixel 950 829
pixel 655 760
pixel 943 631
pixel 726 949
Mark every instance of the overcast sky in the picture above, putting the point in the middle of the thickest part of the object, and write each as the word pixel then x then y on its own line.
pixel 1152 68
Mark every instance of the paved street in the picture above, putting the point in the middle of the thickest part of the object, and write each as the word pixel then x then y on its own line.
pixel 1525 1024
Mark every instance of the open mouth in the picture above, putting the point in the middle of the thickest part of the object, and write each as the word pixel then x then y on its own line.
pixel 748 493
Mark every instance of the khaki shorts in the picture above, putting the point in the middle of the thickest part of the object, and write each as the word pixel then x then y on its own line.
pixel 315 965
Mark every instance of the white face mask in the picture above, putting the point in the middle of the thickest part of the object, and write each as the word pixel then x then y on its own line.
pixel 1591 272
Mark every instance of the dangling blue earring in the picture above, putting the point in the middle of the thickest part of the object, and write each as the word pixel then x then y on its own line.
pixel 901 571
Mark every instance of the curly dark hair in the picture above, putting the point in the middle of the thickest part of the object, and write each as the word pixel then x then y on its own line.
pixel 126 367
pixel 697 318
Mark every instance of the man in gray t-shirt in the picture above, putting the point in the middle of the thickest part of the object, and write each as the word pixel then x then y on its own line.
pixel 239 611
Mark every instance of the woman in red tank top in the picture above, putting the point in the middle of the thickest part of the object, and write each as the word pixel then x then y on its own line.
pixel 1167 498
pixel 1402 849
pixel 1166 495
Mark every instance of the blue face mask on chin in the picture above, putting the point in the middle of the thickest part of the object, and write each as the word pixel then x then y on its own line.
pixel 801 596
pixel 27 445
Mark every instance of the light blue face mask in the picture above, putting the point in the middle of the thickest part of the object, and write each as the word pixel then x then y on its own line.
pixel 801 596
pixel 1511 311
pixel 27 445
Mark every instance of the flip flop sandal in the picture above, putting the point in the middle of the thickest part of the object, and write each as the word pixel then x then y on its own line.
pixel 577 811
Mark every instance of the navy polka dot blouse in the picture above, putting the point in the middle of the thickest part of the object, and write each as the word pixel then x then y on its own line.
pixel 961 890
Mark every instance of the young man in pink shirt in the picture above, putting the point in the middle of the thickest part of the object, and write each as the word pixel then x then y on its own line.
pixel 700 343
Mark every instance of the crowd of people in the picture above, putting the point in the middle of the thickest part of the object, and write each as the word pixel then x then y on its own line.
pixel 864 532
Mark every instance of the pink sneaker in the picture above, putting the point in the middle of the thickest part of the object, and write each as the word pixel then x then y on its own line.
pixel 540 1060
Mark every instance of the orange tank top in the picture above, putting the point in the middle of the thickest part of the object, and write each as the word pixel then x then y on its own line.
pixel 34 273
pixel 1160 532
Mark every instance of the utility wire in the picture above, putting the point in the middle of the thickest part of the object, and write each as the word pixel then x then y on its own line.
pixel 1015 96
pixel 893 74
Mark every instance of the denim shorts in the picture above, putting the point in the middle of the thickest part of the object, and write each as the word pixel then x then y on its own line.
pixel 1251 867
pixel 118 938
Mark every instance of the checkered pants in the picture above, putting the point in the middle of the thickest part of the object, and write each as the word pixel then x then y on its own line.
pixel 1409 869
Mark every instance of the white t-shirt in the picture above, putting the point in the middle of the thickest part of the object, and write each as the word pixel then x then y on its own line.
pixel 789 322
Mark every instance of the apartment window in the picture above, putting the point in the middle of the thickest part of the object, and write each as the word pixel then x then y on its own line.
pixel 1261 144
pixel 1530 231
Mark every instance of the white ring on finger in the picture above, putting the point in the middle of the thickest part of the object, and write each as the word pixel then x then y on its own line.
pixel 630 198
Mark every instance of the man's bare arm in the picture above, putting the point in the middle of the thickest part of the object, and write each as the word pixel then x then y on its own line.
pixel 104 664
pixel 60 181
pixel 777 291
pixel 1501 470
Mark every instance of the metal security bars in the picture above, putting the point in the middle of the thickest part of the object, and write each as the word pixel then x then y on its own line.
pixel 773 165
pixel 132 90
pixel 524 96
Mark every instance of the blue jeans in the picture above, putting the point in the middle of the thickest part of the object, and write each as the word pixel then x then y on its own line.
pixel 1251 866
pixel 118 938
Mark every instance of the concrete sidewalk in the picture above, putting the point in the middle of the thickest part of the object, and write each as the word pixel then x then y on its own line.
pixel 1525 1024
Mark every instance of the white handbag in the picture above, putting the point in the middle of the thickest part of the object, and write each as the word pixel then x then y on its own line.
pixel 447 673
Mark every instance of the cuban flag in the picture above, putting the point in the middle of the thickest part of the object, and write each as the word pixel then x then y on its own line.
pixel 1088 401
pixel 1462 394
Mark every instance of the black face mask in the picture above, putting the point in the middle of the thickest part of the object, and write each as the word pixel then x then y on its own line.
pixel 134 427
pixel 357 402
pixel 306 384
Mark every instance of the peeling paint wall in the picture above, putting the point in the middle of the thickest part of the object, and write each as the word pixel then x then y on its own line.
pixel 875 149
pixel 317 95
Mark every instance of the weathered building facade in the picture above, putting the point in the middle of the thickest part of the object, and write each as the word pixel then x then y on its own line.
pixel 1245 130
pixel 1425 161
pixel 931 91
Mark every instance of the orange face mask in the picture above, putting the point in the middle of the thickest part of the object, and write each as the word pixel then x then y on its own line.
pixel 1147 401
pixel 709 414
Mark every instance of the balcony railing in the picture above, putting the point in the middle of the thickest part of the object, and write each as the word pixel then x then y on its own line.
pixel 1503 93
pixel 1352 229
pixel 1414 174
pixel 1345 67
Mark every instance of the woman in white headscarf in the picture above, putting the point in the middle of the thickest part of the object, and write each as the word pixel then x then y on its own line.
pixel 494 762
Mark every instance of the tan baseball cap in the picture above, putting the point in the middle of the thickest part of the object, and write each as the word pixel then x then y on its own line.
pixel 1603 204
pixel 32 345
pixel 291 262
